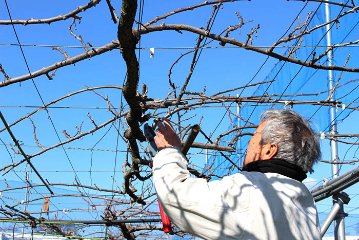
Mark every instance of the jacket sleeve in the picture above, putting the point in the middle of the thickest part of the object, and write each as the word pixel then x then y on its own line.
pixel 192 204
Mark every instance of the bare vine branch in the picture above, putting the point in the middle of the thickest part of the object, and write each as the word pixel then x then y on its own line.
pixel 72 14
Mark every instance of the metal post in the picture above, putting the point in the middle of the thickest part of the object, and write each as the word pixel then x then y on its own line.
pixel 331 216
pixel 206 158
pixel 239 153
pixel 106 233
pixel 337 212
pixel 333 122
pixel 27 196
pixel 339 228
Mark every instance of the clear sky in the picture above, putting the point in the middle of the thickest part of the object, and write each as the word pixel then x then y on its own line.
pixel 218 68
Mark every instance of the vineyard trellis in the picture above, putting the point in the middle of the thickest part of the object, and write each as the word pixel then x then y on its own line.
pixel 80 80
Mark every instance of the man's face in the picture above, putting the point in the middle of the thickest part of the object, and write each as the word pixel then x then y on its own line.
pixel 255 149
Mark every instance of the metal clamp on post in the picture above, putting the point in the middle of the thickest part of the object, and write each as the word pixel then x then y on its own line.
pixel 152 150
pixel 337 211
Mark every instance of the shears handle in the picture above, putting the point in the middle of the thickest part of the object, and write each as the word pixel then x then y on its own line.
pixel 166 222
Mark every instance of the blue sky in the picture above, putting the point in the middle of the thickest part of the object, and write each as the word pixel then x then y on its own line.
pixel 217 69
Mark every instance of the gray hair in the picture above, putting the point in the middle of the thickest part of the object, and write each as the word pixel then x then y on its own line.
pixel 296 140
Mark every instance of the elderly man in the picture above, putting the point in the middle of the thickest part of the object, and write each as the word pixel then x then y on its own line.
pixel 267 200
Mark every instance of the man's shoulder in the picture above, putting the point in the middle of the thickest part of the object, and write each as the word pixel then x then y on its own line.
pixel 241 178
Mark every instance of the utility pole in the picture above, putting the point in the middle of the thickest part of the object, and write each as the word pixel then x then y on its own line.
pixel 339 228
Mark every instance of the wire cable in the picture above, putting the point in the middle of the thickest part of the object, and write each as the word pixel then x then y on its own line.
pixel 38 92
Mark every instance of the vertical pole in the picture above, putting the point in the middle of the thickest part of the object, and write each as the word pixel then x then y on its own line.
pixel 206 158
pixel 106 233
pixel 333 123
pixel 27 179
pixel 238 150
pixel 339 229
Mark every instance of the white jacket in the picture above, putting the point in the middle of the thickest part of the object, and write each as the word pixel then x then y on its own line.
pixel 247 205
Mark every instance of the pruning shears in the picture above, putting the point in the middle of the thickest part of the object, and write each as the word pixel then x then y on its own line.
pixel 152 150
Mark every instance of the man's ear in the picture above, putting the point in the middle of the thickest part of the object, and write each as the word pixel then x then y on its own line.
pixel 269 151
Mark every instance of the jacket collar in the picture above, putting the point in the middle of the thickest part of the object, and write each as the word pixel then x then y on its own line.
pixel 277 165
